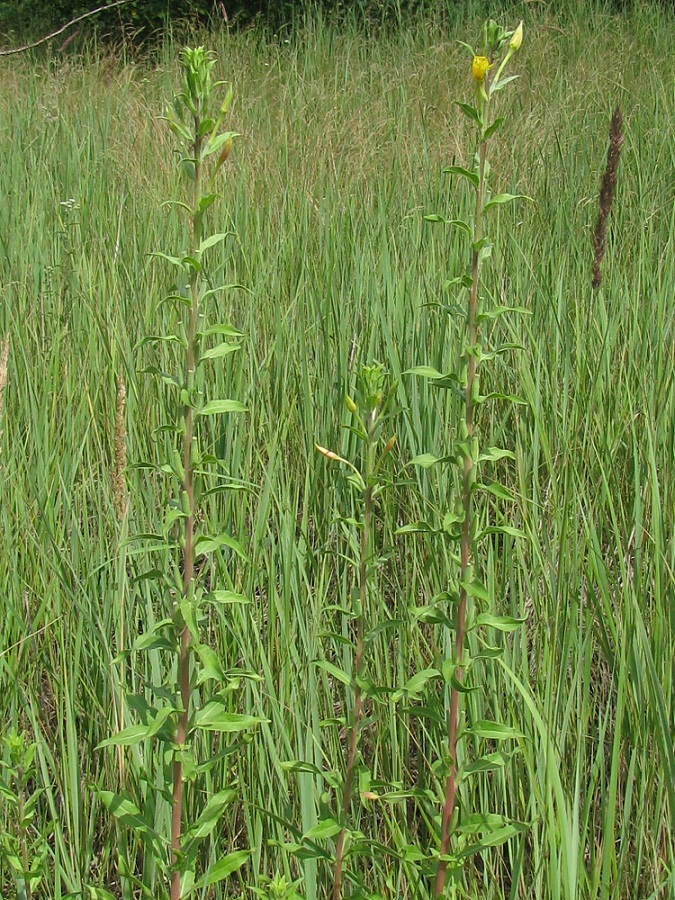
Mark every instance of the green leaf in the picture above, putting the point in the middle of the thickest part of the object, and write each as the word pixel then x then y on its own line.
pixel 174 260
pixel 222 869
pixel 299 765
pixel 210 815
pixel 498 85
pixel 488 763
pixel 211 667
pixel 424 372
pixel 218 407
pixel 502 310
pixel 460 170
pixel 211 241
pixel 492 454
pixel 225 597
pixel 212 718
pixel 500 836
pixel 493 731
pixel 207 543
pixel 472 113
pixel 219 141
pixel 501 623
pixel 122 807
pixel 494 488
pixel 416 528
pixel 325 829
pixel 221 350
pixel 338 674
pixel 134 734
pixel 487 134
pixel 424 461
pixel 497 395
pixel 415 684
pixel 500 199
pixel 221 329
pixel 475 589
pixel 504 529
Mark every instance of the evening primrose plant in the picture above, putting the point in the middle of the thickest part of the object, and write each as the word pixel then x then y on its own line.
pixel 193 705
pixel 466 608
pixel 370 414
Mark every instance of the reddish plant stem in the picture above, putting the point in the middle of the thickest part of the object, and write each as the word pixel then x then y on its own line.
pixel 188 552
pixel 465 545
pixel 358 694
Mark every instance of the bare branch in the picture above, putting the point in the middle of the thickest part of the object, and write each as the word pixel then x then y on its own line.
pixel 64 28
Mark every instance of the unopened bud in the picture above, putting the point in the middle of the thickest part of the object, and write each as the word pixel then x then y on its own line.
pixel 517 38
pixel 479 68
pixel 351 406
pixel 391 443
pixel 327 453
pixel 225 152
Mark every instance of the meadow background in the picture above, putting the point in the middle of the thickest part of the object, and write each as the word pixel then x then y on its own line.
pixel 343 138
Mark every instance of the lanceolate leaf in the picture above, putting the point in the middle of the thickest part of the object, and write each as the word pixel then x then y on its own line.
pixel 219 407
pixel 501 623
pixel 501 199
pixel 210 815
pixel 460 170
pixel 493 731
pixel 212 718
pixel 222 869
pixel 221 350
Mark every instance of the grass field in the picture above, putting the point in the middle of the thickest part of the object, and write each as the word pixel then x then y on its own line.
pixel 343 139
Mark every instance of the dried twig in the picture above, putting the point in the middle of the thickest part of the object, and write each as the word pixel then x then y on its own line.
pixel 64 28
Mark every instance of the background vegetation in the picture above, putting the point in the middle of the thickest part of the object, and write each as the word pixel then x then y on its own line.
pixel 343 140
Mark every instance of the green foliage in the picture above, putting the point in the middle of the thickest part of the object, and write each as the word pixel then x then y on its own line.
pixel 23 842
pixel 345 140
pixel 199 700
pixel 460 610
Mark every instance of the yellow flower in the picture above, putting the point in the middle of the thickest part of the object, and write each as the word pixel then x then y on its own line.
pixel 479 67
pixel 517 38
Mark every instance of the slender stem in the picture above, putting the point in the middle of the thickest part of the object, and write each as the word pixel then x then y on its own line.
pixel 188 552
pixel 465 543
pixel 22 833
pixel 358 666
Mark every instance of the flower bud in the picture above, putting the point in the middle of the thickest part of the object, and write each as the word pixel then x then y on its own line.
pixel 327 453
pixel 391 443
pixel 224 153
pixel 517 38
pixel 351 406
pixel 479 68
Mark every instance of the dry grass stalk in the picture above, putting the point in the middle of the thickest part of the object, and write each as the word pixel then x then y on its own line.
pixel 120 492
pixel 607 188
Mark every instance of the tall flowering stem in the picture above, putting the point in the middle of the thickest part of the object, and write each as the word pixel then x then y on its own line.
pixel 496 39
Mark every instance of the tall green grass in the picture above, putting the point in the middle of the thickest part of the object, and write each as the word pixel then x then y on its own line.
pixel 343 139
